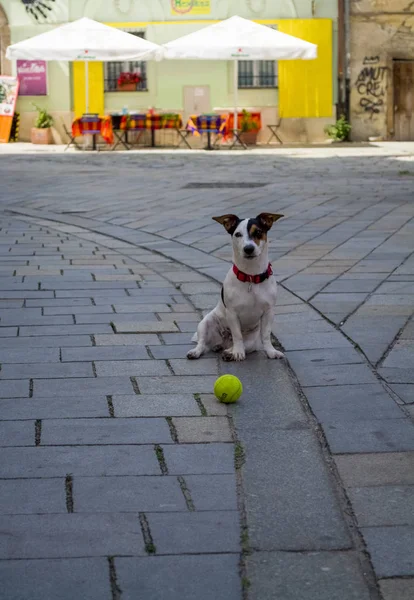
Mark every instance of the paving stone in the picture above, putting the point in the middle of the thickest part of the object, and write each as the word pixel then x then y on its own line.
pixel 42 371
pixel 47 341
pixel 300 341
pixel 128 494
pixel 178 338
pixel 105 431
pixel 82 386
pixel 404 391
pixel 176 384
pixel 309 517
pixel 28 320
pixel 77 460
pixel 144 327
pixel 396 375
pixel 6 332
pixel 194 459
pixel 130 339
pixel 162 405
pixel 401 355
pixel 391 550
pixel 325 356
pixel 195 532
pixel 14 389
pixel 306 576
pixel 373 334
pixel 397 589
pixel 55 302
pixel 55 578
pixel 132 368
pixel 212 492
pixel 359 470
pixel 69 535
pixel 202 429
pixel 334 375
pixel 141 308
pixel 29 355
pixel 63 330
pixel 17 433
pixel 108 353
pixel 173 351
pixel 212 405
pixel 352 285
pixel 184 366
pixel 391 435
pixel 383 505
pixel 183 577
pixel 352 403
pixel 58 407
pixel 30 496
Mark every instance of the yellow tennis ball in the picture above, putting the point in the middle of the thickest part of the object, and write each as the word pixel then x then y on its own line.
pixel 228 389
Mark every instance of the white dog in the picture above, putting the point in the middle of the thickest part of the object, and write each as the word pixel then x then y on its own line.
pixel 242 320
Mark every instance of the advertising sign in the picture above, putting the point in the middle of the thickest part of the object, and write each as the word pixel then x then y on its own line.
pixel 32 75
pixel 190 7
pixel 9 88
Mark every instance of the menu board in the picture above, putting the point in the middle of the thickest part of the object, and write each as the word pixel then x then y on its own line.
pixel 9 89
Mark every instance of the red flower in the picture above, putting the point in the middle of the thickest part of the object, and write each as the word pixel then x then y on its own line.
pixel 126 78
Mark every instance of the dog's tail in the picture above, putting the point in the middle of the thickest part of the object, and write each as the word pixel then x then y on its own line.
pixel 195 337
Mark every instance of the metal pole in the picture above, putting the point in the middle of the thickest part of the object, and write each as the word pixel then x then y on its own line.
pixel 347 65
pixel 236 92
pixel 86 86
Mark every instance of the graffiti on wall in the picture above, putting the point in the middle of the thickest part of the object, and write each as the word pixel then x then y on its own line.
pixel 371 85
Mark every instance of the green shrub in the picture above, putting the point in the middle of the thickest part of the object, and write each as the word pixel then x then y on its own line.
pixel 340 130
pixel 44 120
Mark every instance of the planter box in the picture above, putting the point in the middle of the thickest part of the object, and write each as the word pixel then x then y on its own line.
pixel 41 136
pixel 249 137
pixel 127 87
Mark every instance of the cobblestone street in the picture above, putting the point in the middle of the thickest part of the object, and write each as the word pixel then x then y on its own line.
pixel 121 475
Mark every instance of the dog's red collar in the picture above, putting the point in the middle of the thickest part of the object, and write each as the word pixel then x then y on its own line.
pixel 253 278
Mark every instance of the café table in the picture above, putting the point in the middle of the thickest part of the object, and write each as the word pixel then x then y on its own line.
pixel 208 123
pixel 94 125
pixel 135 121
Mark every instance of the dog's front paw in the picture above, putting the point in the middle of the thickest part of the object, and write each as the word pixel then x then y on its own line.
pixel 235 355
pixel 193 354
pixel 273 353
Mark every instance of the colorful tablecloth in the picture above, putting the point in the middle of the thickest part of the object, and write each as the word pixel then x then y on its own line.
pixel 198 124
pixel 151 121
pixel 254 117
pixel 91 125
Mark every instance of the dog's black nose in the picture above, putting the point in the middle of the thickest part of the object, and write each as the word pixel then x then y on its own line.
pixel 249 250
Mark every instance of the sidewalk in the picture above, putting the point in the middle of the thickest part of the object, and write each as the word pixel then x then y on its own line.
pixel 305 488
pixel 121 474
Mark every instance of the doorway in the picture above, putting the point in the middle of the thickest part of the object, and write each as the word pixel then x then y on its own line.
pixel 5 65
pixel 196 100
pixel 404 100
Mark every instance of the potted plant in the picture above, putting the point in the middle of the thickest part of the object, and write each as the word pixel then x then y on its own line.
pixel 339 131
pixel 41 132
pixel 127 82
pixel 249 129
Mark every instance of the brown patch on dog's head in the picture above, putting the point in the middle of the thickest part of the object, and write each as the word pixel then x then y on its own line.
pixel 266 220
pixel 256 231
pixel 229 222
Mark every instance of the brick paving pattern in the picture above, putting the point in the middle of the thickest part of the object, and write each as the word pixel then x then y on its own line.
pixel 118 463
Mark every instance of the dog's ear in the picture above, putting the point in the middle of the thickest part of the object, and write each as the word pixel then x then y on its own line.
pixel 229 222
pixel 267 219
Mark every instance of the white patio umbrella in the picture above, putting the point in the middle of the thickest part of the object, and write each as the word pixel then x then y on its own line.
pixel 238 39
pixel 84 40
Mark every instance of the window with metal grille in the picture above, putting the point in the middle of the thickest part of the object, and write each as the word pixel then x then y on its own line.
pixel 257 74
pixel 114 69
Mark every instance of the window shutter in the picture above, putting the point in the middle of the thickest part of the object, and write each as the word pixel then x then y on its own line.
pixel 306 86
pixel 96 88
